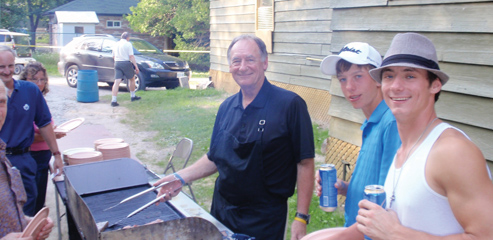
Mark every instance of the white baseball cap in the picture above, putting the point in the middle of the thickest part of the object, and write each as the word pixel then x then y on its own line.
pixel 358 53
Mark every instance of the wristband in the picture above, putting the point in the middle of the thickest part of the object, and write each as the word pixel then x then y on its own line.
pixel 179 177
pixel 56 153
pixel 304 218
pixel 300 220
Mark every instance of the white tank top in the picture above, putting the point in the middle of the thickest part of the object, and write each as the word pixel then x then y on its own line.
pixel 417 205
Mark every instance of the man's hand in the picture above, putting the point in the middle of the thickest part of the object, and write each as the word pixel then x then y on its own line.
pixel 340 185
pixel 171 189
pixel 376 222
pixel 298 230
pixel 58 164
pixel 45 232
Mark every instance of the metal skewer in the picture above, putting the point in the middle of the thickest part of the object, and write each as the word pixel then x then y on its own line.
pixel 137 195
pixel 139 209
pixel 177 186
pixel 146 205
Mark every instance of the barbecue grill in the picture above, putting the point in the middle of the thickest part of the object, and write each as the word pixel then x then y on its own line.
pixel 93 187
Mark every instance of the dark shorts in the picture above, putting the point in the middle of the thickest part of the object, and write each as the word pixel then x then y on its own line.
pixel 124 70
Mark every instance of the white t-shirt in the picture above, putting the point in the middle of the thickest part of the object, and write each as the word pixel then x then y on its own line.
pixel 123 50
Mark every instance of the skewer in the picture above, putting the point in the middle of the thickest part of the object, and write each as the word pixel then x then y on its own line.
pixel 137 195
pixel 139 209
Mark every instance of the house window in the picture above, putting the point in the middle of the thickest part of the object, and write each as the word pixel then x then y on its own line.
pixel 113 24
pixel 79 30
pixel 264 22
pixel 265 15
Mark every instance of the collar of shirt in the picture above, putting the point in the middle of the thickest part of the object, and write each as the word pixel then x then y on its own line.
pixel 17 85
pixel 377 114
pixel 261 98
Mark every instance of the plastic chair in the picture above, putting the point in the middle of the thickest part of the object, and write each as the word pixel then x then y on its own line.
pixel 183 151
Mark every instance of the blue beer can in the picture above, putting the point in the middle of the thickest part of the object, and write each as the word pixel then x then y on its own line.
pixel 375 194
pixel 328 198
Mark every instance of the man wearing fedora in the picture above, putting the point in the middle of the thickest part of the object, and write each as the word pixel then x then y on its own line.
pixel 438 184
pixel 380 139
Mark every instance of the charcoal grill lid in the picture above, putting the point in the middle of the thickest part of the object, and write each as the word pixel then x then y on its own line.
pixel 106 175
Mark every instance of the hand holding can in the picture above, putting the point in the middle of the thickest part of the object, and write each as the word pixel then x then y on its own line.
pixel 328 198
pixel 375 194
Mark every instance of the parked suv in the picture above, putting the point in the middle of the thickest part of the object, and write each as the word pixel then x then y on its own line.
pixel 94 52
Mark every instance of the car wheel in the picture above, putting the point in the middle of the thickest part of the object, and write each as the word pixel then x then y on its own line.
pixel 18 69
pixel 140 84
pixel 71 75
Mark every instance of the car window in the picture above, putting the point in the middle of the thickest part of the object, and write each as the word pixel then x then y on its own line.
pixel 91 45
pixel 5 38
pixel 144 47
pixel 108 45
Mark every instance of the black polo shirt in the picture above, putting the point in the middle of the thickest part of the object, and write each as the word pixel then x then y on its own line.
pixel 287 137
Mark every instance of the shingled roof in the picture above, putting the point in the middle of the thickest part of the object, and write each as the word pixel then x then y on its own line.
pixel 101 7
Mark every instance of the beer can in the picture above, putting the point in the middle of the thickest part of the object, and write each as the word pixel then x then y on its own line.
pixel 328 198
pixel 375 194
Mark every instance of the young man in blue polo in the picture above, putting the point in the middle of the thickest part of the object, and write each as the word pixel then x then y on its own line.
pixel 380 136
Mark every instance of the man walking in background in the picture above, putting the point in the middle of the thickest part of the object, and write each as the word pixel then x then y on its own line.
pixel 125 66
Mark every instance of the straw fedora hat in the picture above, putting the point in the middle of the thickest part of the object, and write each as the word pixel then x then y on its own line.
pixel 411 50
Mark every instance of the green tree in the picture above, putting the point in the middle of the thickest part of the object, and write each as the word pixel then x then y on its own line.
pixel 17 12
pixel 10 14
pixel 186 21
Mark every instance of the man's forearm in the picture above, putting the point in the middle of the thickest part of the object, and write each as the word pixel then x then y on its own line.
pixel 49 136
pixel 200 169
pixel 305 182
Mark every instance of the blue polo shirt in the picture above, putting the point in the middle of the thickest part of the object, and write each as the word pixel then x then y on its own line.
pixel 287 138
pixel 380 143
pixel 25 106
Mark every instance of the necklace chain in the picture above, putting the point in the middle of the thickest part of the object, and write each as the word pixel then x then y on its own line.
pixel 392 198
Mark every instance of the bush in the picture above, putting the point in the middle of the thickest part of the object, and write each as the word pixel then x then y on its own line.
pixel 197 61
pixel 49 60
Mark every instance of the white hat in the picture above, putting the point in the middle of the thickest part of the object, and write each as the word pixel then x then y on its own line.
pixel 358 53
pixel 411 50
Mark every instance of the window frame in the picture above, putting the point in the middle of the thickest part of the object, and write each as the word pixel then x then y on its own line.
pixel 113 23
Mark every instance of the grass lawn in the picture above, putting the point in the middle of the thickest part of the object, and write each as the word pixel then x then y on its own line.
pixel 191 113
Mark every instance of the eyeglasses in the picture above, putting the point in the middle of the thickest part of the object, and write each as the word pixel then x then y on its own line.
pixel 41 80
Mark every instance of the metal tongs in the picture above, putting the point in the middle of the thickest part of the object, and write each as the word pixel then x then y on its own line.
pixel 176 182
pixel 137 195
